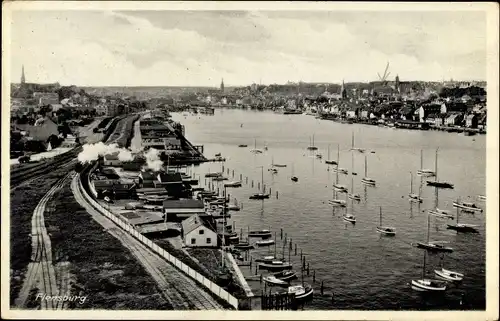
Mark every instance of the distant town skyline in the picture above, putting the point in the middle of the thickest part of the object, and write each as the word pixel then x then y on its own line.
pixel 199 48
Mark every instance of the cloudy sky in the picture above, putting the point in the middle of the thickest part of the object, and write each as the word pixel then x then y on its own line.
pixel 198 48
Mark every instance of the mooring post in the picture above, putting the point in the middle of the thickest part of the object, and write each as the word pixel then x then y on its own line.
pixel 322 288
pixel 295 249
pixel 252 183
pixel 258 185
pixel 276 194
pixel 246 180
pixel 314 276
pixel 233 172
pixel 281 233
pixel 241 177
pixel 308 269
pixel 270 190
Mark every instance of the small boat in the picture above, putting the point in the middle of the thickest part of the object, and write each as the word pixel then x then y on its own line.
pixel 312 147
pixel 341 171
pixel 449 275
pixel 300 292
pixel 259 196
pixel 255 150
pixel 275 265
pixel 434 246
pixel 469 206
pixel 233 207
pixel 330 162
pixel 261 233
pixel 366 180
pixel 265 259
pixel 265 243
pixel 461 227
pixel 428 285
pixel 337 202
pixel 481 197
pixel 273 170
pixel 279 165
pixel 242 145
pixel 319 156
pixel 340 188
pixel 286 275
pixel 272 280
pixel 244 246
pixel 294 178
pixel 436 182
pixel 424 284
pixel 233 239
pixel 361 150
pixel 386 230
pixel 218 155
pixel 426 172
pixel 412 196
pixel 233 184
pixel 218 174
pixel 220 178
pixel 349 218
pixel 441 213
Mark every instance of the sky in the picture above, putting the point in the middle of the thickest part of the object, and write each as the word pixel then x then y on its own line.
pixel 199 48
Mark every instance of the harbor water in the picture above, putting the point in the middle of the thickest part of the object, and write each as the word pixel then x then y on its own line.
pixel 363 269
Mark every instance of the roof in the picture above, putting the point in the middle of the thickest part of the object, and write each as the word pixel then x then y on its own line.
pixel 147 175
pixel 170 177
pixel 113 156
pixel 193 222
pixel 186 203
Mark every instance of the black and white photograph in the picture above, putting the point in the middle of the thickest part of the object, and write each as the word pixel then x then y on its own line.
pixel 285 158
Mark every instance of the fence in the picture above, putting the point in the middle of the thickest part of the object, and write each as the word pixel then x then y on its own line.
pixel 214 288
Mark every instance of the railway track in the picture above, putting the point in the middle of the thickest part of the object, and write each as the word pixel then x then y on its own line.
pixel 176 288
pixel 41 274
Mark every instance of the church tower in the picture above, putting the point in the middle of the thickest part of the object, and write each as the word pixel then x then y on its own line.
pixel 222 86
pixel 343 91
pixel 397 83
pixel 23 79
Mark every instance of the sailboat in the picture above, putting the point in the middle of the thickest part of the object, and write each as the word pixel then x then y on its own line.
pixel 361 150
pixel 413 197
pixel 352 195
pixel 294 178
pixel 350 217
pixel 422 171
pixel 337 187
pixel 329 161
pixel 427 285
pixel 312 147
pixel 337 201
pixel 255 150
pixel 436 182
pixel 386 230
pixel 433 246
pixel 366 180
pixel 437 211
pixel 467 206
pixel 261 195
pixel 448 275
pixel 461 227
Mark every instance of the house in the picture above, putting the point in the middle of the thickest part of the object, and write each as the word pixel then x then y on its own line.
pixel 351 113
pixel 177 210
pixel 173 183
pixel 453 120
pixel 429 109
pixel 364 114
pixel 112 160
pixel 146 179
pixel 43 99
pixel 199 232
pixel 434 119
pixel 471 121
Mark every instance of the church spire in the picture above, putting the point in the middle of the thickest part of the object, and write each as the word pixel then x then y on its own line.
pixel 23 79
pixel 222 86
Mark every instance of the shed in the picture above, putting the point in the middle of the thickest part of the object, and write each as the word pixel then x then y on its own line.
pixel 199 232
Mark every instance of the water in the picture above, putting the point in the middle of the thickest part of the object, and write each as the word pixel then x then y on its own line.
pixel 363 269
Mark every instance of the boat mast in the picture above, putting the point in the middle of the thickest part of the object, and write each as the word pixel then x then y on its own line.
pixel 436 165
pixel 338 162
pixel 328 151
pixel 262 180
pixel 423 268
pixel 352 141
pixel 421 159
pixel 224 229
pixel 428 226
pixel 458 202
pixel 366 167
pixel 352 169
pixel 380 216
pixel 411 183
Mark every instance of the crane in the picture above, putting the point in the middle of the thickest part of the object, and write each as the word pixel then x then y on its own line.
pixel 386 74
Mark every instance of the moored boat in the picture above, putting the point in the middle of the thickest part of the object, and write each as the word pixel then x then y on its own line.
pixel 261 233
pixel 266 259
pixel 349 218
pixel 275 266
pixel 469 206
pixel 286 275
pixel 243 145
pixel 385 230
pixel 441 213
pixel 449 275
pixel 481 197
pixel 428 285
pixel 259 196
pixel 243 246
pixel 337 202
pixel 233 184
pixel 300 292
pixel 272 280
pixel 340 188
pixel 434 246
pixel 265 242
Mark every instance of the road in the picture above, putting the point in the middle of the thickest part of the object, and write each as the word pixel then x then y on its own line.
pixel 41 273
pixel 175 287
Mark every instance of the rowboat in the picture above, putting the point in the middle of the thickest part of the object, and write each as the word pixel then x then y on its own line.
pixel 427 285
pixel 272 280
pixel 449 275
pixel 261 233
pixel 265 243
pixel 275 265
pixel 286 275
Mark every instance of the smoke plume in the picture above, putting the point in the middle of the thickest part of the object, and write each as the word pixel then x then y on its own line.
pixel 153 160
pixel 91 152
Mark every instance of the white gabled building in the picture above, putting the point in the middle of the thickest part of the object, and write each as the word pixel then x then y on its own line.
pixel 196 232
